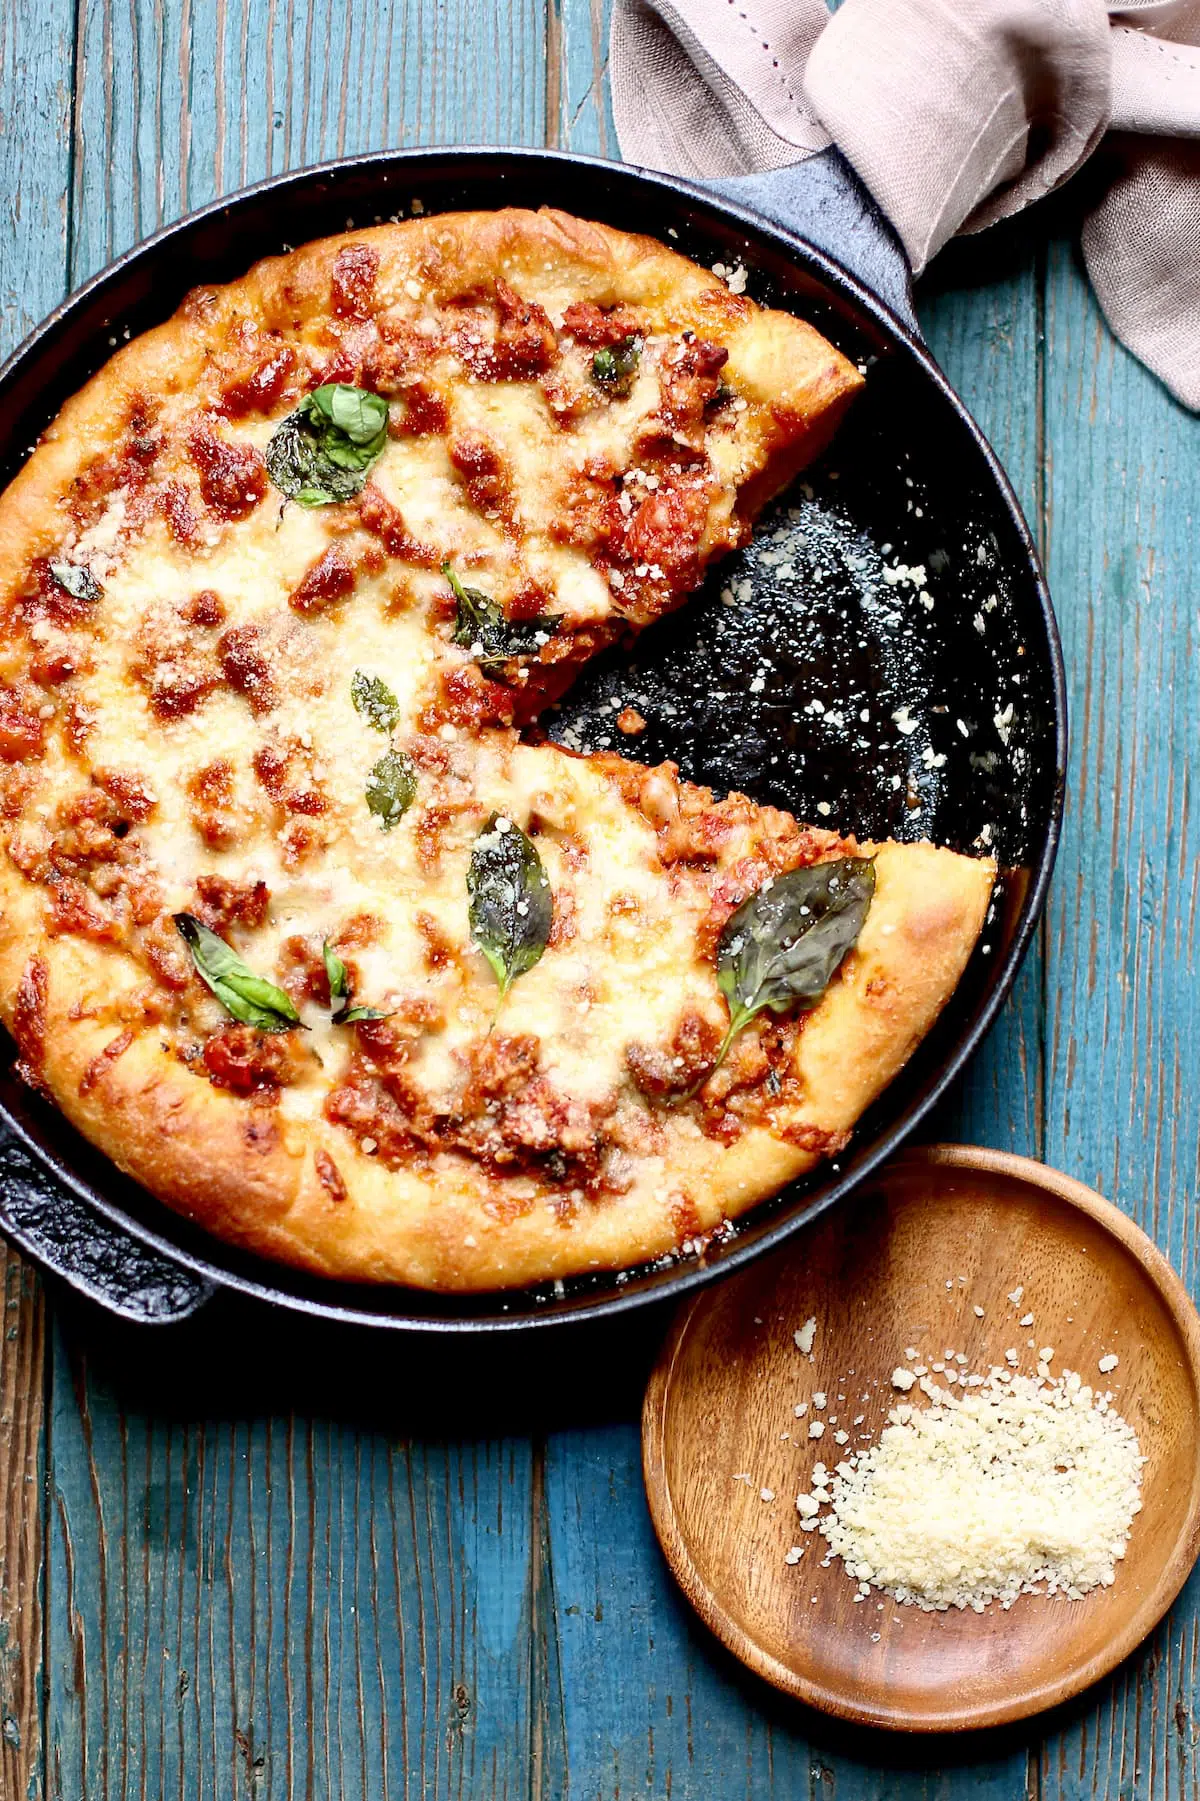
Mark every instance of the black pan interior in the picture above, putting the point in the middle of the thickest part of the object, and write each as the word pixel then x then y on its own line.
pixel 882 659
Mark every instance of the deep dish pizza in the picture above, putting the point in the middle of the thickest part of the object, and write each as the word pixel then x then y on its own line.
pixel 302 920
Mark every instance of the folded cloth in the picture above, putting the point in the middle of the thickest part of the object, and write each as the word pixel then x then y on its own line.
pixel 954 113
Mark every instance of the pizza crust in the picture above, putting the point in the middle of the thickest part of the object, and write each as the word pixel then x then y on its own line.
pixel 251 1177
pixel 780 360
pixel 294 1187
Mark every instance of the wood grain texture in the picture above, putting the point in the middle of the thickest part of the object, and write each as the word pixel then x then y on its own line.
pixel 724 1457
pixel 1123 1106
pixel 176 103
pixel 248 1597
pixel 22 1365
pixel 36 39
pixel 268 1601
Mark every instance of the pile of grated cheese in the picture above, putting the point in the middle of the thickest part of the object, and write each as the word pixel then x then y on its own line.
pixel 1020 1485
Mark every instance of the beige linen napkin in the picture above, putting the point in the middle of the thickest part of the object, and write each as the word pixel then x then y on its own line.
pixel 954 113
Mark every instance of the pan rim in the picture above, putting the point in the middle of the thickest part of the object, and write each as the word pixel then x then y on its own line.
pixel 672 1283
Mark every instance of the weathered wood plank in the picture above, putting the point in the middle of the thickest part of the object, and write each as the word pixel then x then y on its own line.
pixel 296 1607
pixel 651 1705
pixel 180 103
pixel 22 1378
pixel 1123 1108
pixel 35 103
pixel 579 109
pixel 255 1600
pixel 250 1596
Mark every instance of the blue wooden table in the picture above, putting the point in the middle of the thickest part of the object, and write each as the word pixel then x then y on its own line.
pixel 246 1560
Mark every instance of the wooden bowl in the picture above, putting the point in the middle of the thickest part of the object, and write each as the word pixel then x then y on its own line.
pixel 935 1234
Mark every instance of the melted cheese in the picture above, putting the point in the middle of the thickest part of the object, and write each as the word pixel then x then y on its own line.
pixel 624 975
pixel 625 966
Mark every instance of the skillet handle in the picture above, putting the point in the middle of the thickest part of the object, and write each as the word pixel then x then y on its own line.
pixel 96 1259
pixel 823 200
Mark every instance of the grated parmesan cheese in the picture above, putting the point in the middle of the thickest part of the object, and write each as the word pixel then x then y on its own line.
pixel 1021 1486
pixel 804 1337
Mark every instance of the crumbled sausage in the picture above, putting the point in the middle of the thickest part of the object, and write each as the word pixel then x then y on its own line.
pixel 224 902
pixel 172 662
pixel 74 909
pixel 659 1072
pixel 250 1062
pixel 510 339
pixel 233 477
pixel 331 577
pixel 689 380
pixel 588 514
pixel 213 808
pixel 525 340
pixel 485 475
pixel 301 970
pixel 173 501
pixel 469 699
pixel 395 357
pixel 246 668
pixel 261 388
pixel 284 768
pixel 164 951
pixel 666 531
pixel 600 327
pixel 134 798
pixel 22 730
pixel 352 283
pixel 204 608
pixel 379 516
pixel 509 1114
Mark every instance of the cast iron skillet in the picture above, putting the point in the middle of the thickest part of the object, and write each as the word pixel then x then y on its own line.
pixel 929 705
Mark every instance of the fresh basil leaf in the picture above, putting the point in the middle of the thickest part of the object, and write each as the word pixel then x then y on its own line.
pixel 324 451
pixel 783 946
pixel 299 470
pixel 77 580
pixel 391 786
pixel 335 973
pixel 483 627
pixel 251 999
pixel 339 991
pixel 615 368
pixel 357 413
pixel 374 701
pixel 511 905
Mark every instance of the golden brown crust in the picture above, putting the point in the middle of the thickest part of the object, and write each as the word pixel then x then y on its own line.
pixel 247 1176
pixel 778 359
pixel 92 977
